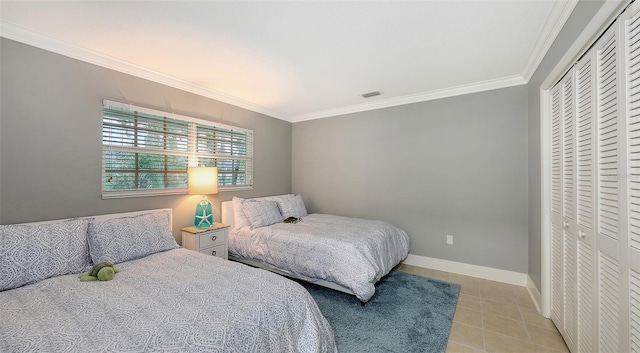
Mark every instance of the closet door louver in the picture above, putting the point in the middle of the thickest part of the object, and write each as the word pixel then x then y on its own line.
pixel 608 193
pixel 569 206
pixel 557 311
pixel 585 178
pixel 632 246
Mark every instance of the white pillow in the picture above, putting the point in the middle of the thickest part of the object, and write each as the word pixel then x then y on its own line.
pixel 127 238
pixel 261 213
pixel 292 206
pixel 239 219
pixel 31 253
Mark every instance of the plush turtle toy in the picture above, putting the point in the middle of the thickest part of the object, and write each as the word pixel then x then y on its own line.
pixel 103 271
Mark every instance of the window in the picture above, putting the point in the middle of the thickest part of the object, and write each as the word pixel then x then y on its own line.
pixel 147 152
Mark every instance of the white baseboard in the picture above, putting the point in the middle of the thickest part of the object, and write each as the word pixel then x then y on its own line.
pixel 493 274
pixel 534 293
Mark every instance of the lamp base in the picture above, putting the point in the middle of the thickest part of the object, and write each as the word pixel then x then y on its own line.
pixel 204 215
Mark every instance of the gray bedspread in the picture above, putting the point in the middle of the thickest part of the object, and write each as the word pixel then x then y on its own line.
pixel 174 301
pixel 354 253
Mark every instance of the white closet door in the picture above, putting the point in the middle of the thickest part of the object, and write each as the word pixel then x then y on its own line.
pixel 569 246
pixel 608 193
pixel 585 180
pixel 557 275
pixel 632 246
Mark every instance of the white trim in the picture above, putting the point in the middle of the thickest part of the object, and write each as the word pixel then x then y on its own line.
pixel 557 18
pixel 38 40
pixel 416 98
pixel 605 16
pixel 534 294
pixel 490 273
pixel 545 202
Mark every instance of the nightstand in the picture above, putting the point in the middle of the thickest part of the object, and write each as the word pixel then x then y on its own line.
pixel 210 241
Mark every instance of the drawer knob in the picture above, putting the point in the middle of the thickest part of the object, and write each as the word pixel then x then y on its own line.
pixel 213 238
pixel 213 253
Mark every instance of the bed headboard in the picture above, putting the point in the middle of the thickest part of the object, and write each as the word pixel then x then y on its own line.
pixel 118 215
pixel 226 212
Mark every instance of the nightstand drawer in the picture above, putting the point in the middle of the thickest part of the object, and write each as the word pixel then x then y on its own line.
pixel 218 250
pixel 208 239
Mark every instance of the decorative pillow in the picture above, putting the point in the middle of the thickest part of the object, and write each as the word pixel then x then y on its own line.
pixel 261 213
pixel 127 238
pixel 292 206
pixel 31 253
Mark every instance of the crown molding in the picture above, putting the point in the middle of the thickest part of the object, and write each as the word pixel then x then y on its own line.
pixel 558 16
pixel 38 40
pixel 416 98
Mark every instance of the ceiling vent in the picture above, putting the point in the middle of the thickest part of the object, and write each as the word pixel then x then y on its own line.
pixel 371 94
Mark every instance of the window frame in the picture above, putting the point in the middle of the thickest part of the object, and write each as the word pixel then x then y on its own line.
pixel 192 153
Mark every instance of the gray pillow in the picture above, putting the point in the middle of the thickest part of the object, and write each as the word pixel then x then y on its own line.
pixel 261 213
pixel 127 238
pixel 292 206
pixel 31 253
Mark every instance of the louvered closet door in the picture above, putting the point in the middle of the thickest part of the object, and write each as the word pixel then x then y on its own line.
pixel 557 258
pixel 632 242
pixel 595 194
pixel 569 247
pixel 585 179
pixel 608 193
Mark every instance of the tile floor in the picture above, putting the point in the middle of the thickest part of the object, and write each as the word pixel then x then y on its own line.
pixel 495 317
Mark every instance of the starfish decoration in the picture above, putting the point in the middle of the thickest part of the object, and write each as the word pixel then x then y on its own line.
pixel 204 218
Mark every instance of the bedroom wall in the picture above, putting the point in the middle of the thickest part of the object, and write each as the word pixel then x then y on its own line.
pixel 581 16
pixel 51 138
pixel 450 166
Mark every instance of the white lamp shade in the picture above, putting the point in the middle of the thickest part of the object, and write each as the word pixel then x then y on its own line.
pixel 203 180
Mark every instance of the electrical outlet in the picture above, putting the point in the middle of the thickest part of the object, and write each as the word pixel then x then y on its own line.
pixel 450 239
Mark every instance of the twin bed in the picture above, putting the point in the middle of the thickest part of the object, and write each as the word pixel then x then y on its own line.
pixel 167 298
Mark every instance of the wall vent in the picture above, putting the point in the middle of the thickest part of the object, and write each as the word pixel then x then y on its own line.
pixel 371 94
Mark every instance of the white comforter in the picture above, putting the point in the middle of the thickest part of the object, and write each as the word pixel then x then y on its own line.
pixel 354 253
pixel 178 301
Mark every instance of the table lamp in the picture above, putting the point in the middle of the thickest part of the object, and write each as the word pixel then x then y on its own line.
pixel 203 181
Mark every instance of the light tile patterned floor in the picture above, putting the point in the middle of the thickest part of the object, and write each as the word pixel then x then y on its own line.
pixel 495 317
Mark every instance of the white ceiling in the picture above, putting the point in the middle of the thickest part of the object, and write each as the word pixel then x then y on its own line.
pixel 300 60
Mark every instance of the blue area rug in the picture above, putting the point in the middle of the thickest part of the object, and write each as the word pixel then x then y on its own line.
pixel 407 314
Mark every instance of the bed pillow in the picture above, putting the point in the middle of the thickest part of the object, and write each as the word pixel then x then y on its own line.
pixel 31 253
pixel 239 219
pixel 261 213
pixel 128 238
pixel 292 206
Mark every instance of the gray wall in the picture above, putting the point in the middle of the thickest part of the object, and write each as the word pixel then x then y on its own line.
pixel 581 16
pixel 450 166
pixel 51 138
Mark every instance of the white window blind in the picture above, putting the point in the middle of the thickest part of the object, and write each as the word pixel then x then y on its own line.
pixel 147 152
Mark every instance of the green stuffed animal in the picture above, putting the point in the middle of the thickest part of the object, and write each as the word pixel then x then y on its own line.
pixel 104 271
